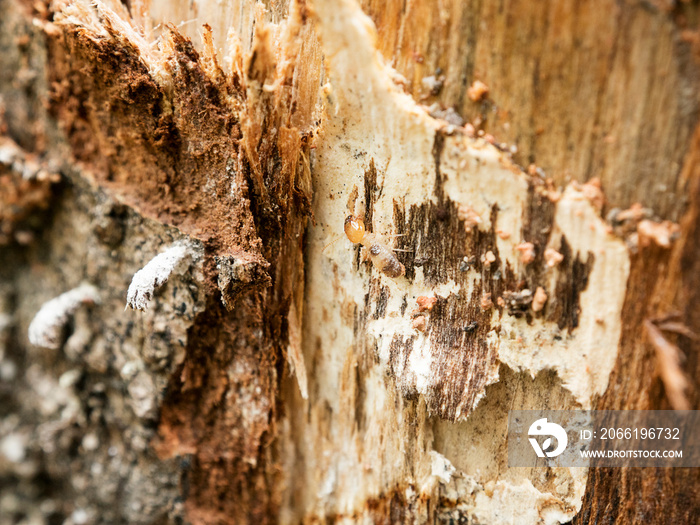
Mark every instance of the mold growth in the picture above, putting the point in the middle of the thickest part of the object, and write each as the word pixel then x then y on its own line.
pixel 46 329
pixel 153 276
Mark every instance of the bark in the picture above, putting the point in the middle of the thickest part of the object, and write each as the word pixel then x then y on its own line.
pixel 196 162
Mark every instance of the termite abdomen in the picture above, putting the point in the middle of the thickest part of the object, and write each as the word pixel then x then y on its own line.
pixel 384 259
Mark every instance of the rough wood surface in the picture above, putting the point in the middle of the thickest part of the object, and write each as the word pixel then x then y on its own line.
pixel 277 375
pixel 584 89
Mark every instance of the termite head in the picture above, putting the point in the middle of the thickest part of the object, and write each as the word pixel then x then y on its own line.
pixel 354 229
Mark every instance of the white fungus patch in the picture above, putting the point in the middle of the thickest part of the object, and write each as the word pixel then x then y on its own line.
pixel 444 290
pixel 152 276
pixel 46 328
pixel 420 362
pixel 440 467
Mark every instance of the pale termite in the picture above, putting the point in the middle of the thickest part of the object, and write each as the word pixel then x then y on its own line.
pixel 382 257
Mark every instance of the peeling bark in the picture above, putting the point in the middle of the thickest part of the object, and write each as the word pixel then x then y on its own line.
pixel 278 375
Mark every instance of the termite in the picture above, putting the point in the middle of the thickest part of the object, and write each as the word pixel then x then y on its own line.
pixel 382 257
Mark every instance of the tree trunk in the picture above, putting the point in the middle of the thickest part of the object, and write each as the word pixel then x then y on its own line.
pixel 535 166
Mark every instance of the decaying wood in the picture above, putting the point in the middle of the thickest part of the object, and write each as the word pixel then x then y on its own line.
pixel 526 163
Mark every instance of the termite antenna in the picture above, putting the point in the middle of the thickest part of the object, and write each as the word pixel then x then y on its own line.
pixel 329 244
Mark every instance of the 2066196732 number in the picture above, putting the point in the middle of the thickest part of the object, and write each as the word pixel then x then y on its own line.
pixel 639 433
